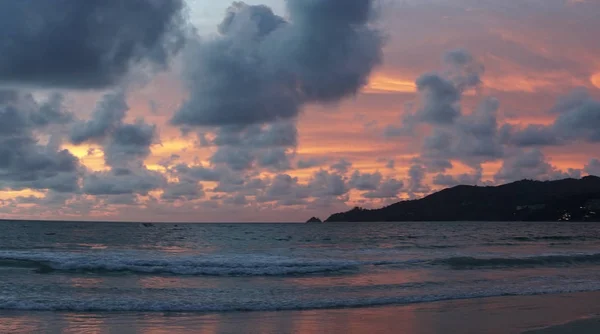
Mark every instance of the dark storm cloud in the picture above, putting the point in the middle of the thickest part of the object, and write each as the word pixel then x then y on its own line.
pixel 24 162
pixel 263 68
pixel 85 44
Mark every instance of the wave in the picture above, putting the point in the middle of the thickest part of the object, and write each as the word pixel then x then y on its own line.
pixel 193 305
pixel 467 262
pixel 207 265
pixel 554 238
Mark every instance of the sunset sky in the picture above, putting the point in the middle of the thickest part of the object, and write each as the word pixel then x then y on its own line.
pixel 279 110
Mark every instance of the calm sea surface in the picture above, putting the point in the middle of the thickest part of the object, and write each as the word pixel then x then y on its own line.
pixel 207 268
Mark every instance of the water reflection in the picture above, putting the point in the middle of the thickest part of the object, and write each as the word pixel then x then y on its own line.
pixel 17 323
pixel 85 282
pixel 490 315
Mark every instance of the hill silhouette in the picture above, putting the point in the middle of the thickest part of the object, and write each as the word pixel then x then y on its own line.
pixel 527 200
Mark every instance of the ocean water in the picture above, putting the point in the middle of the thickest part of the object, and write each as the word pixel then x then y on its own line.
pixel 208 268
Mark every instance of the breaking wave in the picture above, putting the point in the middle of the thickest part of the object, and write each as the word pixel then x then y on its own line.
pixel 209 265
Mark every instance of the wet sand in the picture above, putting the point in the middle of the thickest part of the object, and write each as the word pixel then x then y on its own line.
pixel 585 326
pixel 500 315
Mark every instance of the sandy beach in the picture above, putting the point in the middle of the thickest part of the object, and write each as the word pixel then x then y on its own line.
pixel 549 314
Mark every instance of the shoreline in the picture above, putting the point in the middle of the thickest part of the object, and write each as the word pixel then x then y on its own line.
pixel 540 314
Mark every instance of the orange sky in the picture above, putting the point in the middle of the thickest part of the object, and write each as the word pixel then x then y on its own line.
pixel 529 63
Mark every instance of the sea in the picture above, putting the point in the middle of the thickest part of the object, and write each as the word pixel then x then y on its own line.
pixel 220 268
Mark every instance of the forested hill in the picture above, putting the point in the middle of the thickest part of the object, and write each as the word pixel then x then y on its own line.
pixel 568 199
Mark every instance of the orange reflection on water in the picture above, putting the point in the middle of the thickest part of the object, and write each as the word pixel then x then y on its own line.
pixel 86 282
pixel 19 324
pixel 81 323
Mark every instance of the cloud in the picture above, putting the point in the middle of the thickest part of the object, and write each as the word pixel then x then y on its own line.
pixel 416 177
pixel 108 115
pixel 123 181
pixel 441 92
pixel 263 68
pixel 577 120
pixel 365 181
pixel 130 141
pixel 85 44
pixel 122 142
pixel 24 162
pixel 341 166
pixel 309 163
pixel 531 164
pixel 593 167
pixel 389 188
pixel 473 139
pixel 183 190
pixel 451 181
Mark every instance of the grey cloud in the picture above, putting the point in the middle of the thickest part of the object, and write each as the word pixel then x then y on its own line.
pixel 531 164
pixel 200 173
pixel 581 122
pixel 52 112
pixel 236 158
pixel 341 166
pixel 325 184
pixel 130 141
pixel 309 163
pixel 183 190
pixel 263 68
pixel 109 113
pixel 122 143
pixel 462 69
pixel 258 145
pixel 571 101
pixel 85 44
pixel 275 159
pixel 578 119
pixel 390 188
pixel 237 200
pixel 24 163
pixel 534 135
pixel 416 176
pixel 365 181
pixel 439 98
pixel 473 139
pixel 123 181
pixel 450 181
pixel 593 167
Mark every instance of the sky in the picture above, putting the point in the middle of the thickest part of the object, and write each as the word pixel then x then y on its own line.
pixel 279 110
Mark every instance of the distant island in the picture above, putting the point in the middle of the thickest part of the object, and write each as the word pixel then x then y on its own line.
pixel 527 200
pixel 314 220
